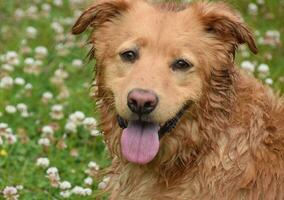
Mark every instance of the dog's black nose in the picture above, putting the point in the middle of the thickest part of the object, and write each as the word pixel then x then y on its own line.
pixel 142 101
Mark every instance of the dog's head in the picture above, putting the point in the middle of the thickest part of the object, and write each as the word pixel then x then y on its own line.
pixel 155 60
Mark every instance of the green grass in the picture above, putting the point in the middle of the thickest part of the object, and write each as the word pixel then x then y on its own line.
pixel 18 167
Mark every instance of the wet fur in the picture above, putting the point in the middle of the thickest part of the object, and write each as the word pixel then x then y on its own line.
pixel 230 142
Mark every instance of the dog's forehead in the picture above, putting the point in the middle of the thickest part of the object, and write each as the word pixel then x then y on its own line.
pixel 157 22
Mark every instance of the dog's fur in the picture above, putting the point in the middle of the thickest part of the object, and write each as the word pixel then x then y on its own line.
pixel 230 142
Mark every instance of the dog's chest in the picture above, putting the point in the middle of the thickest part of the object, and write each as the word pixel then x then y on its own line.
pixel 149 187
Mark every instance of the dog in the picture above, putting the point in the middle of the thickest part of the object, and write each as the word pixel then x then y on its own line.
pixel 180 120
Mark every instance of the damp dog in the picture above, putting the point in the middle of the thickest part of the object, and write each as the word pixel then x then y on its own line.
pixel 179 118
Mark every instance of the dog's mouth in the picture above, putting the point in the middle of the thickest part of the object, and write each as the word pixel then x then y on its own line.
pixel 140 140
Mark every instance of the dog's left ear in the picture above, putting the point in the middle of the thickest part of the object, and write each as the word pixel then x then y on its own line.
pixel 225 24
pixel 99 13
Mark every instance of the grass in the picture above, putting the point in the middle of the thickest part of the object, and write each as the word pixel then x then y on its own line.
pixel 18 161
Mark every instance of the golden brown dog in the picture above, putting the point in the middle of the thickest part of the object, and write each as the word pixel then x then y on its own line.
pixel 180 120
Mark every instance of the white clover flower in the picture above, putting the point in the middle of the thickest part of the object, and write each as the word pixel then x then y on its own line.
pixel 25 114
pixel 31 32
pixel 14 62
pixel 61 74
pixel 9 131
pixel 102 185
pixel 19 81
pixel 32 66
pixel 52 170
pixel 42 162
pixel 53 176
pixel 77 63
pixel 93 165
pixel 248 66
pixel 19 187
pixel 263 68
pixel 58 2
pixel 22 107
pixel 65 194
pixel 41 52
pixel 273 33
pixel 260 2
pixel 72 118
pixel 47 130
pixel 46 7
pixel 57 27
pixel 78 190
pixel 32 10
pixel 65 185
pixel 7 67
pixel 90 122
pixel 75 2
pixel 77 117
pixel 19 13
pixel 29 61
pixel 11 55
pixel 57 112
pixel 57 108
pixel 10 193
pixel 3 129
pixel 11 138
pixel 87 192
pixel 272 38
pixel 44 142
pixel 6 82
pixel 269 81
pixel 106 179
pixel 88 181
pixel 3 126
pixel 28 86
pixel 92 170
pixel 70 127
pixel 252 9
pixel 11 58
pixel 95 133
pixel 10 109
pixel 47 96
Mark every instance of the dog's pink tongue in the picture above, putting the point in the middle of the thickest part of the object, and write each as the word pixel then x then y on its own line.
pixel 140 142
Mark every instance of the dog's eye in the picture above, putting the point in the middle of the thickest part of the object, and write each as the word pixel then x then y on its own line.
pixel 181 64
pixel 129 56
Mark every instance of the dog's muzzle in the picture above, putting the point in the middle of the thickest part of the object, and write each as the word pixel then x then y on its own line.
pixel 140 140
pixel 166 128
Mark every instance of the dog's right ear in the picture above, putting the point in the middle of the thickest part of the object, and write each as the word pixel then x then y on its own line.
pixel 99 13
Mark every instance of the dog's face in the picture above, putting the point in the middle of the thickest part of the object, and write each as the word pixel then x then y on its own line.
pixel 154 61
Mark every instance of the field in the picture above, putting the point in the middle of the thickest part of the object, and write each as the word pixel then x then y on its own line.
pixel 50 145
